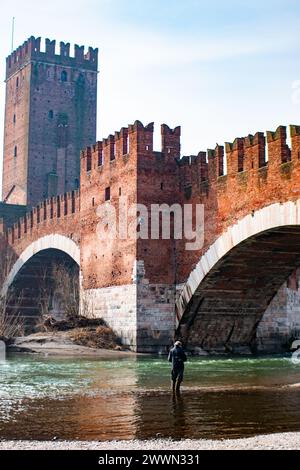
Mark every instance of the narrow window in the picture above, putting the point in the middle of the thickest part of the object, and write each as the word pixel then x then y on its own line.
pixel 240 163
pixel 51 114
pixel 64 76
pixel 65 204
pixel 45 210
pixel 58 207
pixel 126 145
pixel 120 192
pixel 100 157
pixel 15 151
pixel 14 119
pixel 89 162
pixel 107 194
pixel 17 82
pixel 73 203
pixel 112 152
pixel 161 186
pixel 93 202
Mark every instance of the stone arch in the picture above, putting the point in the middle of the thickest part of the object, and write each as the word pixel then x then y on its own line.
pixel 54 241
pixel 270 217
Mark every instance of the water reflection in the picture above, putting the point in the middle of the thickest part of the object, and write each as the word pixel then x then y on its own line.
pixel 219 415
pixel 131 398
pixel 178 415
pixel 2 351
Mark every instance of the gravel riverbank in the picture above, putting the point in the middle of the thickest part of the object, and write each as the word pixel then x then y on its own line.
pixel 284 441
pixel 59 344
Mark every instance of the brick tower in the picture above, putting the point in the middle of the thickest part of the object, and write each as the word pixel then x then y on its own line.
pixel 50 115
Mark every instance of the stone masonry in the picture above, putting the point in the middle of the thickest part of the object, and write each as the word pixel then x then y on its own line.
pixel 134 284
pixel 229 295
pixel 281 321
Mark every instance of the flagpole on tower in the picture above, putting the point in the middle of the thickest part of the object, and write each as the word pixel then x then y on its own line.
pixel 12 34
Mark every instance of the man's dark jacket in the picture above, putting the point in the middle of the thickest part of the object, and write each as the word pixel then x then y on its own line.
pixel 178 357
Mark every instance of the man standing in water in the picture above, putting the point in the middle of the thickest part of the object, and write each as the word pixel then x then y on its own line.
pixel 178 357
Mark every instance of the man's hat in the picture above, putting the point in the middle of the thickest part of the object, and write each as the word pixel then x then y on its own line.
pixel 178 343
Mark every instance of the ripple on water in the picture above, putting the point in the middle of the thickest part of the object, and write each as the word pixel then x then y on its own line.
pixel 42 397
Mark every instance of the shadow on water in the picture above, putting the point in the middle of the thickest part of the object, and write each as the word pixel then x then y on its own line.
pixel 131 398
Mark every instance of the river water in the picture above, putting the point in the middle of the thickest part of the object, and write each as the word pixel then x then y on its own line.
pixel 92 399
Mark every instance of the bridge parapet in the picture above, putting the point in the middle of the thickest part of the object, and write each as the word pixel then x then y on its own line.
pixel 260 154
pixel 134 141
pixel 50 215
pixel 234 182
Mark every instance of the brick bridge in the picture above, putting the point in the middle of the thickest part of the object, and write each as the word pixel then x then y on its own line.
pixel 238 293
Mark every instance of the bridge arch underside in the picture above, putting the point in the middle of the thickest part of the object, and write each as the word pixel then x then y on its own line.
pixel 44 285
pixel 227 307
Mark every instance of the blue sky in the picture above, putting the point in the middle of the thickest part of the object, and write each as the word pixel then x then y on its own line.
pixel 220 69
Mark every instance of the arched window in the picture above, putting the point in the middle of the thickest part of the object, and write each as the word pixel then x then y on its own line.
pixel 80 80
pixel 64 76
pixel 107 194
pixel 50 73
pixel 15 151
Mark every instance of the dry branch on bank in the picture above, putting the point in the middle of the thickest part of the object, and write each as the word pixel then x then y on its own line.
pixel 102 337
pixel 51 324
pixel 11 323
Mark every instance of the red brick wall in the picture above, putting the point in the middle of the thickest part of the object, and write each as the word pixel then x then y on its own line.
pixel 60 215
pixel 229 198
pixel 127 164
pixel 149 177
pixel 54 119
pixel 107 165
pixel 157 185
pixel 16 134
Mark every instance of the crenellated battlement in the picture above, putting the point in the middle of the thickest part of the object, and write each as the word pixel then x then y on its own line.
pixel 47 212
pixel 170 142
pixel 240 194
pixel 260 151
pixel 134 140
pixel 51 101
pixel 257 139
pixel 31 51
pixel 267 151
pixel 242 156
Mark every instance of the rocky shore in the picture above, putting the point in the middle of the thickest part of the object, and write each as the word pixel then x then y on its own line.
pixel 284 441
pixel 60 344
